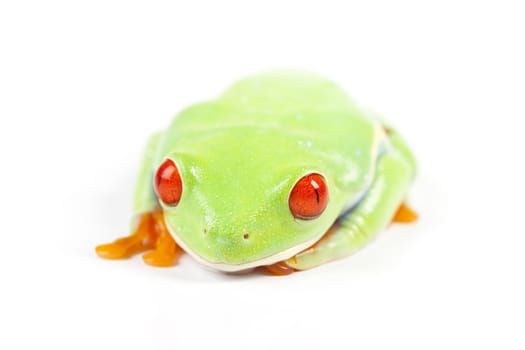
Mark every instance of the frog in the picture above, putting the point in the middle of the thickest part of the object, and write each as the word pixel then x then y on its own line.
pixel 283 172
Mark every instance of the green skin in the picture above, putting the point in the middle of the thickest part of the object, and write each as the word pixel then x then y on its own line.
pixel 240 155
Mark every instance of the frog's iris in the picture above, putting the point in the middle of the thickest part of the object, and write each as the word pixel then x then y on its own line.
pixel 168 183
pixel 309 197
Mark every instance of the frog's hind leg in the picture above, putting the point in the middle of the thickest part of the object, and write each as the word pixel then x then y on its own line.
pixel 400 146
pixel 404 213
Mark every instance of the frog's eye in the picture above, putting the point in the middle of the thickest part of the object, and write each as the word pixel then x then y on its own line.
pixel 168 184
pixel 309 197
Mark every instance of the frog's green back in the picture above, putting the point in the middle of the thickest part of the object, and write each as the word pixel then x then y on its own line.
pixel 287 91
pixel 241 153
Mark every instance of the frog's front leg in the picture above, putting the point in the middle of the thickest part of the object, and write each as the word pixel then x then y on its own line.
pixel 166 250
pixel 150 232
pixel 393 176
pixel 143 238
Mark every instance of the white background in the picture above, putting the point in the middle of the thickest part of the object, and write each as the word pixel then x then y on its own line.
pixel 82 85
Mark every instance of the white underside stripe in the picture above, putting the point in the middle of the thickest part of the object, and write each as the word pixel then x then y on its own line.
pixel 272 259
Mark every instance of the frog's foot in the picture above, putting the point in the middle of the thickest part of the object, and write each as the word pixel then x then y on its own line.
pixel 280 269
pixel 151 234
pixel 166 250
pixel 286 267
pixel 142 239
pixel 404 215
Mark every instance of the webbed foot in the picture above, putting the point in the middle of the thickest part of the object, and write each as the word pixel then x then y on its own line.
pixel 151 233
pixel 141 240
pixel 166 250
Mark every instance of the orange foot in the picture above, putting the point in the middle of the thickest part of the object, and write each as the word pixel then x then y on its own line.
pixel 151 234
pixel 404 214
pixel 280 269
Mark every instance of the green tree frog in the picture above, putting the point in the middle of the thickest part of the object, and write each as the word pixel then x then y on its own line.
pixel 283 171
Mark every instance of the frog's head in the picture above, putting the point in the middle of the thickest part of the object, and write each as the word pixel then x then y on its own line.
pixel 233 203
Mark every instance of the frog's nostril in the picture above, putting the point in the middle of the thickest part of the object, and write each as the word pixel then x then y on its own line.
pixel 246 235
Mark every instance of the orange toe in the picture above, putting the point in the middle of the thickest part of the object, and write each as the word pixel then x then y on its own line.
pixel 151 233
pixel 143 238
pixel 404 214
pixel 112 251
pixel 122 250
pixel 166 250
pixel 160 259
pixel 280 269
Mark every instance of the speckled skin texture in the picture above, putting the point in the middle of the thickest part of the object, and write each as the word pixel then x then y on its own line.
pixel 240 155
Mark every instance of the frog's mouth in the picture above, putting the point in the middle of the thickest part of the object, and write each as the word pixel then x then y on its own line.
pixel 269 260
pixel 275 258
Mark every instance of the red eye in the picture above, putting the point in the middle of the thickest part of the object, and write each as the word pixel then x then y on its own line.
pixel 309 197
pixel 168 183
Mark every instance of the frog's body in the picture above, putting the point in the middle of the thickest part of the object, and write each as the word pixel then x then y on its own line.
pixel 240 155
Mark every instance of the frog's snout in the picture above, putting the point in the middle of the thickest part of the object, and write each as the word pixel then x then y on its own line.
pixel 231 246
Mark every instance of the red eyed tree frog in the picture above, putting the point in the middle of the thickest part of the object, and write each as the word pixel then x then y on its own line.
pixel 283 170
